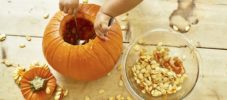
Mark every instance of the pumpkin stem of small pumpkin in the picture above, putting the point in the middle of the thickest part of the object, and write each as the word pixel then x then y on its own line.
pixel 38 83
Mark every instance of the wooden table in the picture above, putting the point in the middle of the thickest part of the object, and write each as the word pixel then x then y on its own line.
pixel 20 17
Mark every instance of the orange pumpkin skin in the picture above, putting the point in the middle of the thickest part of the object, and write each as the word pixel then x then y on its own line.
pixel 25 84
pixel 81 62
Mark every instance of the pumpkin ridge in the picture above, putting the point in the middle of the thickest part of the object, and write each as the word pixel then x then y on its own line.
pixel 69 60
pixel 45 73
pixel 25 80
pixel 25 87
pixel 114 32
pixel 56 19
pixel 107 51
pixel 54 51
pixel 115 43
pixel 99 60
pixel 57 16
pixel 85 59
pixel 63 56
pixel 26 92
pixel 106 65
pixel 48 45
pixel 49 76
pixel 60 43
pixel 92 55
pixel 52 31
pixel 53 24
pixel 74 48
pixel 29 95
pixel 40 72
pixel 117 50
pixel 95 56
pixel 73 57
pixel 47 52
pixel 115 28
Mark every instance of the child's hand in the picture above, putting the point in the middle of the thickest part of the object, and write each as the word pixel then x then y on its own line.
pixel 101 25
pixel 69 6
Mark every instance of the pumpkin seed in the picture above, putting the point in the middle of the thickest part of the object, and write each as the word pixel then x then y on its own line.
pixel 47 90
pixel 66 92
pixel 119 67
pixel 128 98
pixel 187 28
pixel 109 74
pixel 7 63
pixel 2 37
pixel 175 28
pixel 153 77
pixel 111 98
pixel 87 98
pixel 120 83
pixel 46 15
pixel 28 37
pixel 101 91
pixel 22 45
pixel 57 97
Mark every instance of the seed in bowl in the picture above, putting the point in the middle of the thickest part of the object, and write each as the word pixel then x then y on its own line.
pixel 158 73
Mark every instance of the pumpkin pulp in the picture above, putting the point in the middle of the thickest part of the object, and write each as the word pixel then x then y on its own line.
pixel 84 28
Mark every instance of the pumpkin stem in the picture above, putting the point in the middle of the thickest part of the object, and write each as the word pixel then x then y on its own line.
pixel 38 83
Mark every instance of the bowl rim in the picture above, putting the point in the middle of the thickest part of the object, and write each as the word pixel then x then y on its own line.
pixel 126 52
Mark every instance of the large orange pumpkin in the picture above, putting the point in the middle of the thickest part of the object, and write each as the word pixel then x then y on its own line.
pixel 88 61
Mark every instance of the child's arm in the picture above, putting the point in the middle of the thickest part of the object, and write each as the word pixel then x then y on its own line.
pixel 111 8
pixel 116 7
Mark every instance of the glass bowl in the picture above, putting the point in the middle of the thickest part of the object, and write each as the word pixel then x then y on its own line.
pixel 179 46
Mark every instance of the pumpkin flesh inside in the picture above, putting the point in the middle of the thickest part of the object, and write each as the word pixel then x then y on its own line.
pixel 78 33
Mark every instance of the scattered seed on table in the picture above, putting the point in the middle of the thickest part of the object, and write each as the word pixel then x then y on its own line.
pixel 111 98
pixel 7 63
pixel 22 45
pixel 119 67
pixel 101 91
pixel 109 74
pixel 28 37
pixel 2 37
pixel 87 98
pixel 66 92
pixel 128 98
pixel 120 83
pixel 46 15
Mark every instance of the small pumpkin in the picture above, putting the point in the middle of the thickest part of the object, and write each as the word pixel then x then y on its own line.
pixel 38 84
pixel 90 60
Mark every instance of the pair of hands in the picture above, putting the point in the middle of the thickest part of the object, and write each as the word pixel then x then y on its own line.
pixel 101 22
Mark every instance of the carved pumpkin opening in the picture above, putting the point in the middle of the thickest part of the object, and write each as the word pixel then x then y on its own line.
pixel 77 33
